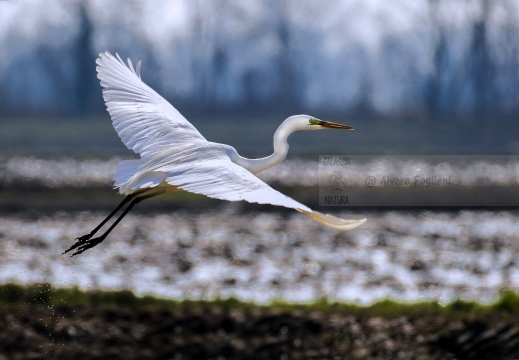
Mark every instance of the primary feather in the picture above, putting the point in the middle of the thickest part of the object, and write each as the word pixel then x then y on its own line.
pixel 145 122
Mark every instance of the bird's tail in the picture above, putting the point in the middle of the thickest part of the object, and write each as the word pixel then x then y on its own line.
pixel 333 221
pixel 129 178
pixel 125 171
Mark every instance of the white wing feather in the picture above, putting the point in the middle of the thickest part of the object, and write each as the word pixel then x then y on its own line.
pixel 206 169
pixel 172 150
pixel 202 168
pixel 145 122
pixel 222 179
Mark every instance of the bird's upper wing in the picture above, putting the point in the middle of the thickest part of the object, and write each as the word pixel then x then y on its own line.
pixel 144 120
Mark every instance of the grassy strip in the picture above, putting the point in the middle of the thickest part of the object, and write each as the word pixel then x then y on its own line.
pixel 45 294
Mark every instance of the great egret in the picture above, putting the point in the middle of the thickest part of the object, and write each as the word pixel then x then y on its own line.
pixel 175 156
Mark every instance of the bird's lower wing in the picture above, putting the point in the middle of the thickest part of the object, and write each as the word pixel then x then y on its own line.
pixel 222 179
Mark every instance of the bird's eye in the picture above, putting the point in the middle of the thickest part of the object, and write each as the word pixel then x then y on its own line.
pixel 314 122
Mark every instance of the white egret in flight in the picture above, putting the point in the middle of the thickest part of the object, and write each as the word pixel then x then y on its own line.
pixel 175 156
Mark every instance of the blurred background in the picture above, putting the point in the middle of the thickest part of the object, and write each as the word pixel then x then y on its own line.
pixel 416 76
pixel 412 77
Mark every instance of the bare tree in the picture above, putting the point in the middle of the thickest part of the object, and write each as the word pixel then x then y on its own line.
pixel 480 66
pixel 435 84
pixel 86 86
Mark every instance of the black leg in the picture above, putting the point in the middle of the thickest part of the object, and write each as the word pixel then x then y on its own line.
pixel 84 242
pixel 127 199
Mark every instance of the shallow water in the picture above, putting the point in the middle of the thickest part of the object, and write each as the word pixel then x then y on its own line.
pixel 260 256
pixel 264 256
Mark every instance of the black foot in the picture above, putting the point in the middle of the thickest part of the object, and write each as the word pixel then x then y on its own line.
pixel 79 241
pixel 84 238
pixel 88 244
pixel 84 243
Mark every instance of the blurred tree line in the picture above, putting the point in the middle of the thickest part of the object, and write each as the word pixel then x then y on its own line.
pixel 432 58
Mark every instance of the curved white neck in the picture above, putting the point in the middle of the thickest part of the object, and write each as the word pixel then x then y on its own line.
pixel 280 150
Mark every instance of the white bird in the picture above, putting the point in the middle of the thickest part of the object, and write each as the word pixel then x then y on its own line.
pixel 175 156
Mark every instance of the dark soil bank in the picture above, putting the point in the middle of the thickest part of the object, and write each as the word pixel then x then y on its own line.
pixel 41 331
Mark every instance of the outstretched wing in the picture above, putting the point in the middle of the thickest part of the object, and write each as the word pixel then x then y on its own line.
pixel 144 120
pixel 210 172
pixel 222 179
pixel 206 169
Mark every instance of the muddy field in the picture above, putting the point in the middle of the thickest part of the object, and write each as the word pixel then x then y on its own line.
pixel 262 256
pixel 192 248
pixel 96 331
pixel 172 255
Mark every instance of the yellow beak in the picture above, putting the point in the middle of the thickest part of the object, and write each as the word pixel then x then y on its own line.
pixel 335 125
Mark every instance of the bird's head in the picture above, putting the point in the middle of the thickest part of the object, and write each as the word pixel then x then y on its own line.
pixel 306 122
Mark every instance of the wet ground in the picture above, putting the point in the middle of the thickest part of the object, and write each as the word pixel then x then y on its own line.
pixel 262 256
pixel 37 331
pixel 192 248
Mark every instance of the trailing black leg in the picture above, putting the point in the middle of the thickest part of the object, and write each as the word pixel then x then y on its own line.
pixel 85 242
pixel 127 199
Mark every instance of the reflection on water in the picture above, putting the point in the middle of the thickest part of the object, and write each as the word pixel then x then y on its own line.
pixel 266 256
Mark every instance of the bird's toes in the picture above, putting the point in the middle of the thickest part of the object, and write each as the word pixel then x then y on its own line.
pixel 82 239
pixel 75 245
pixel 87 245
